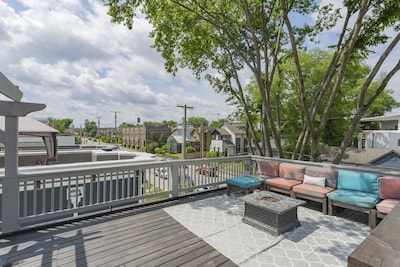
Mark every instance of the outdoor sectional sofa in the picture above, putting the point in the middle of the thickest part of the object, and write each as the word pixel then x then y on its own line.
pixel 317 183
pixel 307 182
pixel 356 191
pixel 289 175
pixel 389 195
pixel 267 169
pixel 363 191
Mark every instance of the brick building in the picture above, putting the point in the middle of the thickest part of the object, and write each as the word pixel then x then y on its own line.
pixel 137 137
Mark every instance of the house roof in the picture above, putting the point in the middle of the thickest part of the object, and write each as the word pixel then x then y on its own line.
pixel 222 132
pixel 389 159
pixel 235 127
pixel 355 155
pixel 391 117
pixel 206 129
pixel 179 139
pixel 228 143
pixel 177 129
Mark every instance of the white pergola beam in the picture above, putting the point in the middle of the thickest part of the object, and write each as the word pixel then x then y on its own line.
pixel 8 89
pixel 18 109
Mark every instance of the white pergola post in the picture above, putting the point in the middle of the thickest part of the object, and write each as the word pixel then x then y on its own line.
pixel 12 110
pixel 10 203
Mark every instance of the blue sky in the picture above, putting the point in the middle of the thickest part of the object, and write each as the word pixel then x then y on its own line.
pixel 68 55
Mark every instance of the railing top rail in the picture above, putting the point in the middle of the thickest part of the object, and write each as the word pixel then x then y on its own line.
pixel 374 169
pixel 110 166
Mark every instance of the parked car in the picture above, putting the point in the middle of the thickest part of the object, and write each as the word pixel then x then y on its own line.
pixel 162 172
pixel 210 171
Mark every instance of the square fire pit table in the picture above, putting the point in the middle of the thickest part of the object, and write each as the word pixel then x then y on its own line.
pixel 273 213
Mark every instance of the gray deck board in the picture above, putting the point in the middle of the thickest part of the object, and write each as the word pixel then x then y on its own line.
pixel 142 236
pixel 145 236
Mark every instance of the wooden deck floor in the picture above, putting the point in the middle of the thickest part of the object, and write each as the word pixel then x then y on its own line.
pixel 144 236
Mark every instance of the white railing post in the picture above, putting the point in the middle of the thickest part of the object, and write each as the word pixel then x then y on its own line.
pixel 10 203
pixel 174 179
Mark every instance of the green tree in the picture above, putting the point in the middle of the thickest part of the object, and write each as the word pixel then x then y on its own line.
pixel 60 124
pixel 171 124
pixel 217 124
pixel 190 149
pixel 78 140
pixel 373 18
pixel 292 121
pixel 151 123
pixel 105 139
pixel 212 154
pixel 163 139
pixel 154 137
pixel 197 121
pixel 150 147
pixel 127 124
pixel 221 38
pixel 90 128
pixel 314 63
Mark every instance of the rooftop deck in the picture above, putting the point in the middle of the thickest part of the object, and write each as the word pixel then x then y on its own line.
pixel 198 230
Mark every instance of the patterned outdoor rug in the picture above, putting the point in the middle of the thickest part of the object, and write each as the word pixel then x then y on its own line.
pixel 321 240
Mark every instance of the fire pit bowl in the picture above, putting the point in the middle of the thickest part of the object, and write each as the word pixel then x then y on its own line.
pixel 270 199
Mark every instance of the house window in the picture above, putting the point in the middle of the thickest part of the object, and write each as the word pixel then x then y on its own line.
pixel 398 142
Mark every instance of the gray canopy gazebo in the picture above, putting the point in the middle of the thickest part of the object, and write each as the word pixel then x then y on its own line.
pixel 32 127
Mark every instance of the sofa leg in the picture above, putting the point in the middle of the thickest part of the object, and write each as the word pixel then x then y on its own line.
pixel 228 192
pixel 372 218
pixel 292 194
pixel 324 206
pixel 330 207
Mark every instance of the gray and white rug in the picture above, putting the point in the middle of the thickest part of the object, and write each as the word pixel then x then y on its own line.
pixel 321 240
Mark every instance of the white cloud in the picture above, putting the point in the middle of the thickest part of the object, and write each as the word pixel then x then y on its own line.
pixel 69 56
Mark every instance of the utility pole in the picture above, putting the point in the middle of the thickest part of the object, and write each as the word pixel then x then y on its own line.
pixel 98 129
pixel 202 140
pixel 115 121
pixel 98 125
pixel 98 122
pixel 185 107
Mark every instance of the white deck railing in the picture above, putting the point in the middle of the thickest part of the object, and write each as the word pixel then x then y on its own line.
pixel 49 194
pixel 55 193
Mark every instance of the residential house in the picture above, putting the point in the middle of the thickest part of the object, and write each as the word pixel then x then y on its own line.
pixel 198 138
pixel 380 147
pixel 175 140
pixel 387 137
pixel 230 140
pixel 205 134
